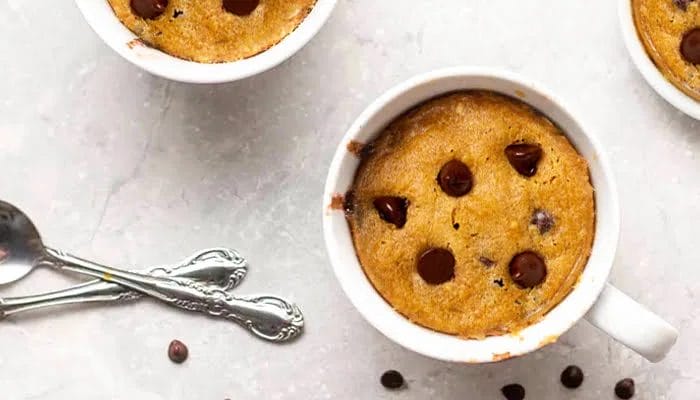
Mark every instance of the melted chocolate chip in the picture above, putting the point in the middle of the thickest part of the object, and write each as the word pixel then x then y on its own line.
pixel 177 352
pixel 392 379
pixel 513 391
pixel 349 202
pixel 690 46
pixel 149 9
pixel 392 209
pixel 488 263
pixel 524 158
pixel 543 220
pixel 436 266
pixel 682 4
pixel 571 377
pixel 624 389
pixel 241 7
pixel 527 269
pixel 455 178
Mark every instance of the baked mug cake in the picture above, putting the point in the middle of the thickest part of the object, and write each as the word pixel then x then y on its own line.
pixel 212 31
pixel 670 33
pixel 472 214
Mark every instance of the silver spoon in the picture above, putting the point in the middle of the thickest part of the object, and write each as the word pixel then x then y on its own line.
pixel 221 267
pixel 268 317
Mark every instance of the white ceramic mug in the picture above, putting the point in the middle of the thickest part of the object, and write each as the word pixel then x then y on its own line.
pixel 99 15
pixel 646 66
pixel 592 298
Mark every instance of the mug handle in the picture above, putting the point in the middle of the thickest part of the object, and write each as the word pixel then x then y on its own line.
pixel 631 324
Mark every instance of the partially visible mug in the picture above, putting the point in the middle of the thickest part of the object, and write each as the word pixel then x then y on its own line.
pixel 592 297
pixel 648 69
pixel 99 15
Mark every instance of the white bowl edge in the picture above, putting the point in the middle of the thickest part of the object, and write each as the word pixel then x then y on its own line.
pixel 101 18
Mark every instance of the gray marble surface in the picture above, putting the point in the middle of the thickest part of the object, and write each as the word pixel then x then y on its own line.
pixel 120 166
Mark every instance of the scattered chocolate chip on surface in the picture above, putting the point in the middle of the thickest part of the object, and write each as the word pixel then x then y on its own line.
pixel 513 391
pixel 177 352
pixel 524 158
pixel 571 377
pixel 455 178
pixel 527 269
pixel 624 389
pixel 543 220
pixel 149 9
pixel 436 266
pixel 392 379
pixel 241 7
pixel 392 209
pixel 690 46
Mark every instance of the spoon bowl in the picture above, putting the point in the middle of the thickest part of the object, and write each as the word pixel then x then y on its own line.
pixel 20 244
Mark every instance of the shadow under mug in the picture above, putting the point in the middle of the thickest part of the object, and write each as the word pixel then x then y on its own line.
pixel 592 298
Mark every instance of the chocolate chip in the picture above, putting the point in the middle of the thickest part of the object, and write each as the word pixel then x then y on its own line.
pixel 177 351
pixel 456 226
pixel 543 220
pixel 571 377
pixel 527 269
pixel 149 9
pixel 690 46
pixel 392 379
pixel 455 178
pixel 436 266
pixel 349 202
pixel 682 4
pixel 624 389
pixel 524 157
pixel 392 209
pixel 241 7
pixel 488 263
pixel 513 391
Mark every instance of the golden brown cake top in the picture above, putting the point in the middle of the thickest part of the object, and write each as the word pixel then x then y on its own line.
pixel 670 32
pixel 459 236
pixel 211 31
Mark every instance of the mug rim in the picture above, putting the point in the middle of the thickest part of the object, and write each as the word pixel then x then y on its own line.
pixel 651 74
pixel 438 345
pixel 117 36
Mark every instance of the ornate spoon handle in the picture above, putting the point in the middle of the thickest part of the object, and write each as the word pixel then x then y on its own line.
pixel 221 267
pixel 268 317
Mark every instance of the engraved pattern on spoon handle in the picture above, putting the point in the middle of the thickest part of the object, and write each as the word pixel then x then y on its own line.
pixel 222 267
pixel 268 317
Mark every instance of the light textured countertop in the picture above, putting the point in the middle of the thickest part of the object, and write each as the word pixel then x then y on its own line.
pixel 119 166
